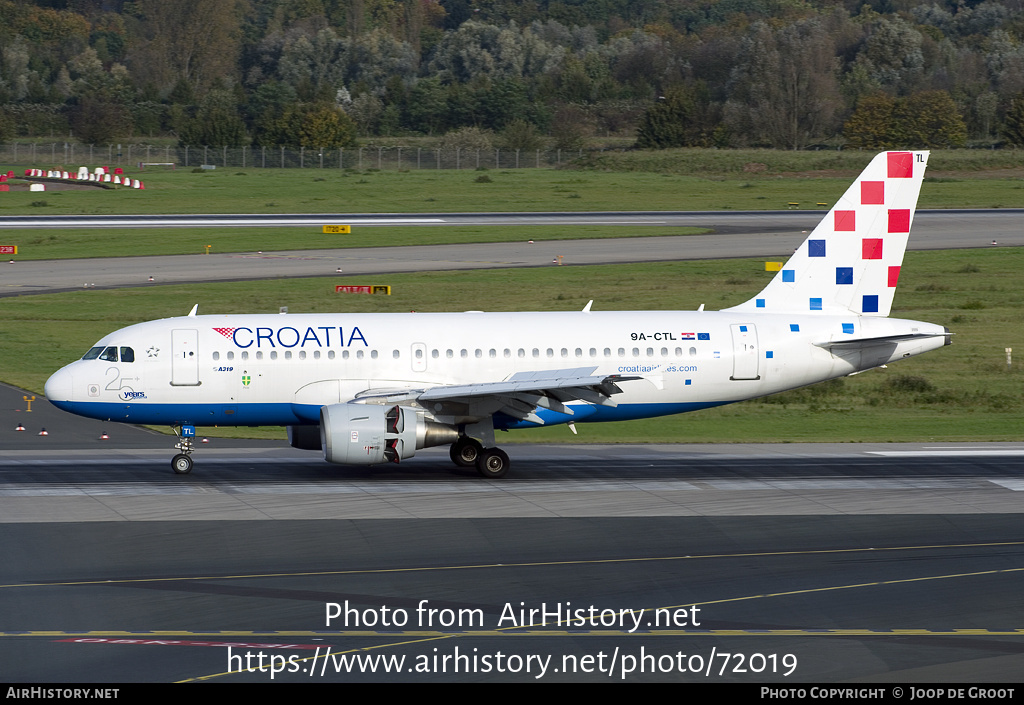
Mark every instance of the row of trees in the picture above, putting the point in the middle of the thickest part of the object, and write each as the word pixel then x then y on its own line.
pixel 781 73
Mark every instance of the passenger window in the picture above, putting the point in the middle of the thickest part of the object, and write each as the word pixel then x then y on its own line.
pixel 127 355
pixel 216 356
pixel 109 354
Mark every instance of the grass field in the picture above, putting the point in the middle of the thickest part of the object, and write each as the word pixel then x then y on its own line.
pixel 670 180
pixel 63 244
pixel 962 392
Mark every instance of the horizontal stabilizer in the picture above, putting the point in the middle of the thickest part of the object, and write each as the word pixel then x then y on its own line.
pixel 861 343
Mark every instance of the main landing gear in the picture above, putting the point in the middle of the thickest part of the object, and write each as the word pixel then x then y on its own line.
pixel 492 463
pixel 182 462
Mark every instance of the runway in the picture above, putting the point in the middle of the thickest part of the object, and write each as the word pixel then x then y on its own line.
pixel 768 234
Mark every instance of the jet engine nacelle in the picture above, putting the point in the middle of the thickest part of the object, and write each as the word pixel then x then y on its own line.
pixel 367 434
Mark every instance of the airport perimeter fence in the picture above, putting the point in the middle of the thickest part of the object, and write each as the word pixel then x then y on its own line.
pixel 72 155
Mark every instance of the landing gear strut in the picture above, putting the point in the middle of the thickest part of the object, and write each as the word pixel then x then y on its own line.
pixel 182 462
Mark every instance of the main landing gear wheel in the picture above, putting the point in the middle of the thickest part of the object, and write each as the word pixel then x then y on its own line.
pixel 493 463
pixel 181 464
pixel 465 451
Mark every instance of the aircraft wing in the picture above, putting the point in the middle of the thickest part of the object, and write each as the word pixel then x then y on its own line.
pixel 521 394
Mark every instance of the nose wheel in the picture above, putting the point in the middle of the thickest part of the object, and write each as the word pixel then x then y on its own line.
pixel 181 464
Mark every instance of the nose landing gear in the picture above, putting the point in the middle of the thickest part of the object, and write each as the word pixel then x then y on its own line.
pixel 182 462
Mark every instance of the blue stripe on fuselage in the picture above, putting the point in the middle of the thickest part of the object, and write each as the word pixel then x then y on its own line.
pixel 285 414
pixel 196 414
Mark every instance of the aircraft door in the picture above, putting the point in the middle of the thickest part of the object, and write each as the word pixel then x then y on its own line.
pixel 745 355
pixel 419 357
pixel 185 358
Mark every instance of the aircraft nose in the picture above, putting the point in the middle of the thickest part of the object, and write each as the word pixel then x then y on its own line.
pixel 60 385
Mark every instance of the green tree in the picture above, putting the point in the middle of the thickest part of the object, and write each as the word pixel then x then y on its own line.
pixel 870 126
pixel 683 118
pixel 1013 127
pixel 324 125
pixel 217 123
pixel 96 121
pixel 925 119
pixel 929 119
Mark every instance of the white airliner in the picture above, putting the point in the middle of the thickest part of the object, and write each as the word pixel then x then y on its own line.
pixel 373 388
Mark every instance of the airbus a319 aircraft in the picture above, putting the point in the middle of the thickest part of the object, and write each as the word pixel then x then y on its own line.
pixel 374 388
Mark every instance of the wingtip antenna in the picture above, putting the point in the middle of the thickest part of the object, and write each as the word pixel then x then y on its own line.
pixel 192 313
pixel 586 309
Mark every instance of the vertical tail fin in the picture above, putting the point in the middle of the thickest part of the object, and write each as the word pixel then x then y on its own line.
pixel 851 261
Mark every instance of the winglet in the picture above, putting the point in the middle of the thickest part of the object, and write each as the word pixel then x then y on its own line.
pixel 586 309
pixel 192 313
pixel 851 262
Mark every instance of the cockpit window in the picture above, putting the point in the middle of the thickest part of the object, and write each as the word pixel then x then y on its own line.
pixel 93 353
pixel 127 355
pixel 109 354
